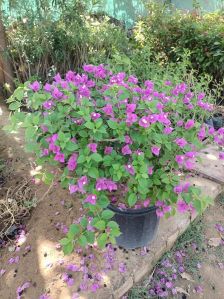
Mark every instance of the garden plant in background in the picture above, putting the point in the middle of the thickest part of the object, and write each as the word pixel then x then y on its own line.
pixel 170 31
pixel 112 141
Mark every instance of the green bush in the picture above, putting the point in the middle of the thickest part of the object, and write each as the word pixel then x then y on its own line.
pixel 61 39
pixel 170 32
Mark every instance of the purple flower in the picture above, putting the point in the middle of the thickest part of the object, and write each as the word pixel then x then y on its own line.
pixel 180 159
pixel 131 118
pixel 44 296
pixel 73 188
pixel 144 122
pixel 130 108
pixel 189 165
pixel 84 91
pixel 95 115
pixel 155 150
pixel 95 287
pixel 91 199
pixel 108 110
pixel 132 79
pixel 45 152
pixel 60 157
pixel 180 123
pixel 221 155
pixel 146 202
pixel 70 282
pixel 75 296
pixel 122 268
pixel 186 186
pixel 54 148
pixel 127 139
pixel 48 104
pixel 89 68
pixel 13 260
pixel 72 162
pixel 198 289
pixel 149 84
pixel 57 78
pixel 82 182
pixel 130 169
pixel 108 150
pixel 201 96
pixel 57 94
pixel 167 130
pixel 105 184
pixel 47 87
pixel 190 154
pixel 219 228
pixel 2 272
pixel 201 133
pixel 178 189
pixel 169 285
pixel 189 124
pixel 101 184
pixel 181 142
pixel 160 213
pixel 21 289
pixel 126 150
pixel 182 206
pixel 150 170
pixel 111 186
pixel 92 147
pixel 35 86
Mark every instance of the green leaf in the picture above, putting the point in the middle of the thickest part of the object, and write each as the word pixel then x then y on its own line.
pixel 83 133
pixel 84 222
pixel 81 159
pixel 30 133
pixel 68 248
pixel 132 199
pixel 112 124
pixel 103 201
pixel 19 93
pixel 107 214
pixel 96 157
pixel 82 241
pixel 112 224
pixel 100 224
pixel 64 241
pixel 48 178
pixel 93 172
pixel 89 125
pixel 73 230
pixel 90 236
pixel 14 106
pixel 102 240
pixel 71 146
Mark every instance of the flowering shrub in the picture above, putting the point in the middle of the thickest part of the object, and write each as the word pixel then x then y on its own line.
pixel 113 141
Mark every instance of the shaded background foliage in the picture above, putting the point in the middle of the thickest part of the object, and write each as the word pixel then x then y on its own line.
pixel 54 36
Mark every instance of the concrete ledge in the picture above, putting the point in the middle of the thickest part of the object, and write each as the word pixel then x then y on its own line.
pixel 169 230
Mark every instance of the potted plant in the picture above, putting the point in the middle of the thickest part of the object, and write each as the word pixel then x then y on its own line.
pixel 119 147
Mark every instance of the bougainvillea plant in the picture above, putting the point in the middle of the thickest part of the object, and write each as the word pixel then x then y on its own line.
pixel 113 141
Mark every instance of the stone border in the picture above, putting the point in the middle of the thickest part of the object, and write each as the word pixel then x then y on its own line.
pixel 169 231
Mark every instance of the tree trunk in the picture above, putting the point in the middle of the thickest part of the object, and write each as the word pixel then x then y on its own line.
pixel 6 73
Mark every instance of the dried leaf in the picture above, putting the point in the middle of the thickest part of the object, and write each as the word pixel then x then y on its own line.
pixel 186 276
pixel 182 291
pixel 214 242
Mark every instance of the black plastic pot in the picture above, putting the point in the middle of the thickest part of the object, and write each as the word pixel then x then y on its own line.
pixel 138 226
pixel 217 121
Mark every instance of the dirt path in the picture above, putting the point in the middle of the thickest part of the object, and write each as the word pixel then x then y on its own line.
pixel 40 266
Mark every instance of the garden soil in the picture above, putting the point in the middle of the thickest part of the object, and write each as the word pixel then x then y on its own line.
pixel 41 265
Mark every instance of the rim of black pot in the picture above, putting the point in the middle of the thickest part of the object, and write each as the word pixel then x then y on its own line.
pixel 131 211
